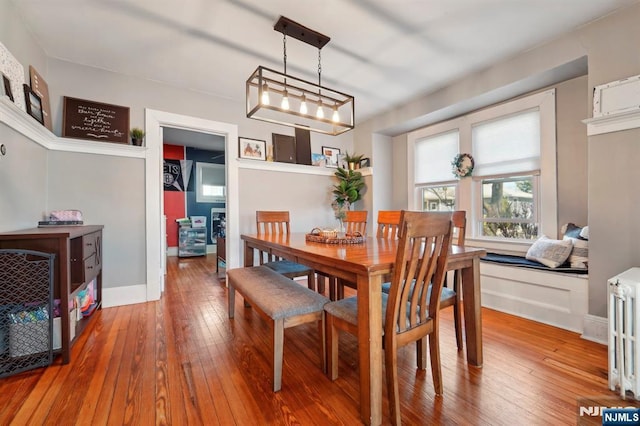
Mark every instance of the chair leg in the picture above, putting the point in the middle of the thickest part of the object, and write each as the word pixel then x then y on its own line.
pixel 311 282
pixel 340 289
pixel 391 370
pixel 457 309
pixel 320 282
pixel 434 352
pixel 323 341
pixel 278 349
pixel 421 353
pixel 231 296
pixel 332 288
pixel 332 347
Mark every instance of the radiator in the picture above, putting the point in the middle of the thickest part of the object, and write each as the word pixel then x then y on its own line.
pixel 624 326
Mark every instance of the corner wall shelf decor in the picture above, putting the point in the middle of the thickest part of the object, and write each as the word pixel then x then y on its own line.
pixel 280 98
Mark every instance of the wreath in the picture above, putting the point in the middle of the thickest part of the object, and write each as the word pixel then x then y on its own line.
pixel 463 165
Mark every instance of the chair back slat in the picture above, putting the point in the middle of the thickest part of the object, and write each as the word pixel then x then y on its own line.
pixel 388 223
pixel 423 250
pixel 459 220
pixel 271 223
pixel 356 221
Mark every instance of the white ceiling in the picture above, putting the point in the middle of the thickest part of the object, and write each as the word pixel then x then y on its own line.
pixel 384 52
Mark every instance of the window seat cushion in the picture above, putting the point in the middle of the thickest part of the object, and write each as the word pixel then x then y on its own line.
pixel 520 261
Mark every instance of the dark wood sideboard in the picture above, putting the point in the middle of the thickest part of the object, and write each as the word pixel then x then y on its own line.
pixel 78 260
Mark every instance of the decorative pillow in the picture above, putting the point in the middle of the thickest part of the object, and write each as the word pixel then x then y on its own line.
pixel 571 230
pixel 551 253
pixel 579 257
pixel 584 234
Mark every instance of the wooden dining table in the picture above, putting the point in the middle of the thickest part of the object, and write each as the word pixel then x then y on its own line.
pixel 366 264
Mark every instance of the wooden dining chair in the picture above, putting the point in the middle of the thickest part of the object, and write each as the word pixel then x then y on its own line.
pixel 277 222
pixel 355 221
pixel 388 222
pixel 410 312
pixel 451 296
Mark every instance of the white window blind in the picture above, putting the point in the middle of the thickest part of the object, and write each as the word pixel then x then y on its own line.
pixel 507 145
pixel 433 157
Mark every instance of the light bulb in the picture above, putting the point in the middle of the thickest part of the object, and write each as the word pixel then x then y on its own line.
pixel 285 101
pixel 303 105
pixel 336 117
pixel 320 111
pixel 265 94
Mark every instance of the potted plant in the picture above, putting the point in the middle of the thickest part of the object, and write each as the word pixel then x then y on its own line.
pixel 346 192
pixel 353 160
pixel 137 135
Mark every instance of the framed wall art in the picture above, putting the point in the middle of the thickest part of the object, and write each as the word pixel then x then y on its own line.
pixel 83 119
pixel 33 103
pixel 14 71
pixel 254 149
pixel 5 87
pixel 40 87
pixel 331 155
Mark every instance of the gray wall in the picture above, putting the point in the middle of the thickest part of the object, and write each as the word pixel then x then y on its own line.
pixel 23 173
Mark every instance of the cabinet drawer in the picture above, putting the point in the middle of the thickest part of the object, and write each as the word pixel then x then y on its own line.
pixel 89 244
pixel 91 268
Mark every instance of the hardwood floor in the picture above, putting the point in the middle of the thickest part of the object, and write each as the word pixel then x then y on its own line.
pixel 181 361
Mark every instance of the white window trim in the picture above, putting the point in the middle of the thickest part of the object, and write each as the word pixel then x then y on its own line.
pixel 548 195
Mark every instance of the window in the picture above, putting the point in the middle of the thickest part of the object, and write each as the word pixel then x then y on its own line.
pixel 509 207
pixel 511 197
pixel 436 188
pixel 210 183
pixel 509 147
pixel 438 198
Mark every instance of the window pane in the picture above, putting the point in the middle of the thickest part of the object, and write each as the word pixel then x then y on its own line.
pixel 507 145
pixel 508 208
pixel 433 156
pixel 439 198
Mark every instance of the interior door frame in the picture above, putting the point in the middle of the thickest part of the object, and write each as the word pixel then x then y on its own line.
pixel 154 121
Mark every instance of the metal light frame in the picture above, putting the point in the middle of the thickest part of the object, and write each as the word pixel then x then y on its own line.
pixel 338 107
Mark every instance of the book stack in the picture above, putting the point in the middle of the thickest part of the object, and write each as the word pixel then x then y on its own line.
pixel 46 223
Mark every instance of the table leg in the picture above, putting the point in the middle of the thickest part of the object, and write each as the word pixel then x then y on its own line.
pixel 472 312
pixel 370 348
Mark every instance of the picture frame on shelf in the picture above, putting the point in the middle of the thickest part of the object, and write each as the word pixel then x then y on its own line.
pixel 318 160
pixel 33 104
pixel 331 154
pixel 284 148
pixel 5 88
pixel 253 149
pixel 40 87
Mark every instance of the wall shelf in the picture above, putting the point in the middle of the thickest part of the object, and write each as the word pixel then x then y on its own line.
pixel 613 123
pixel 293 168
pixel 22 123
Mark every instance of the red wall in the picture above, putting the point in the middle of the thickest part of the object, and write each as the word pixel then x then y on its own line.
pixel 174 201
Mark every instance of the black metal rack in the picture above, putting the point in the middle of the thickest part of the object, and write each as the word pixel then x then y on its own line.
pixel 26 310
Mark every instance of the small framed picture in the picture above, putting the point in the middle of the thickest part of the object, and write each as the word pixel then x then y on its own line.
pixel 318 160
pixel 5 87
pixel 34 104
pixel 331 155
pixel 254 149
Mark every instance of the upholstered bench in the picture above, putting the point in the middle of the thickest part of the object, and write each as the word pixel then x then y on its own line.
pixel 281 302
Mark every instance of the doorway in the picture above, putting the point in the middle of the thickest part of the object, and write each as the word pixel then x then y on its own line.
pixel 155 121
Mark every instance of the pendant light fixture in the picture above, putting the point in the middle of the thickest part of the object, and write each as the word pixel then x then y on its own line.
pixel 281 98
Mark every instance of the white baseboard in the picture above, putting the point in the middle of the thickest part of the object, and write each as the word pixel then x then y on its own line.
pixel 596 329
pixel 120 296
